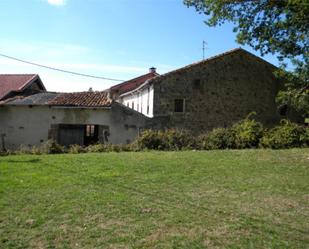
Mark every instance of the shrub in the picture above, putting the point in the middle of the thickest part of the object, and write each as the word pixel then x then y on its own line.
pixel 50 147
pixel 76 149
pixel 95 148
pixel 170 139
pixel 178 139
pixel 247 133
pixel 285 135
pixel 219 138
pixel 151 140
pixel 23 149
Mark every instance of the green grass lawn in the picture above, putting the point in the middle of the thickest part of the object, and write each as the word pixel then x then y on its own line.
pixel 209 199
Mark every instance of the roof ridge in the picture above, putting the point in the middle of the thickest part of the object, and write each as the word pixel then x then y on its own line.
pixel 210 59
pixel 28 81
pixel 18 74
pixel 201 61
pixel 136 78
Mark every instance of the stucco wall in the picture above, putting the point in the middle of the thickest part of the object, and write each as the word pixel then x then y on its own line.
pixel 217 93
pixel 30 125
pixel 141 98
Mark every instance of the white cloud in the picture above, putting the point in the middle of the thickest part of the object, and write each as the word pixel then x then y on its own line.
pixel 56 2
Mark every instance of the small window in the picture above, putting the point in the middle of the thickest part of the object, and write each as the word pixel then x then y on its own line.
pixel 197 84
pixel 179 105
pixel 90 130
pixel 133 105
pixel 127 104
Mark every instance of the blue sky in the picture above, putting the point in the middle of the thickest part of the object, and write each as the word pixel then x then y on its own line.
pixel 116 39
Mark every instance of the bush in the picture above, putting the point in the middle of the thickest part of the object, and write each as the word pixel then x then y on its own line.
pixel 178 139
pixel 171 139
pixel 219 138
pixel 95 148
pixel 286 135
pixel 51 147
pixel 76 149
pixel 247 133
pixel 151 140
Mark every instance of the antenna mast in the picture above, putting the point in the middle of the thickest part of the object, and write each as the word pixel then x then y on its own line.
pixel 204 48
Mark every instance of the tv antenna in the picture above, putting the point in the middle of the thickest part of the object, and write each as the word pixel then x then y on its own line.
pixel 204 48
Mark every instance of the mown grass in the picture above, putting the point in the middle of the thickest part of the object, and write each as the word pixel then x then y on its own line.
pixel 194 199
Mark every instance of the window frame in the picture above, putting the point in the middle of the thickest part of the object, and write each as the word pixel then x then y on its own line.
pixel 183 109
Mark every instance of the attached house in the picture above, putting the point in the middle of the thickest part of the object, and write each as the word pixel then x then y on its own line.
pixel 68 118
pixel 215 92
pixel 136 93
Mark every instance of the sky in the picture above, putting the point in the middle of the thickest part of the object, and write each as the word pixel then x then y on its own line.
pixel 115 39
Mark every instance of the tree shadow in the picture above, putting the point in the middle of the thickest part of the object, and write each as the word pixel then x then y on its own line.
pixel 36 160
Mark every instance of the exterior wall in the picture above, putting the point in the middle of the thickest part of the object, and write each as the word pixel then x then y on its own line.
pixel 32 125
pixel 217 93
pixel 141 99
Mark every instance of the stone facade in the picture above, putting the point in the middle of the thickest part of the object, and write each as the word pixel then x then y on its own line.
pixel 216 92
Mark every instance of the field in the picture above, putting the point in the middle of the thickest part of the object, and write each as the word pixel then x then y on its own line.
pixel 193 199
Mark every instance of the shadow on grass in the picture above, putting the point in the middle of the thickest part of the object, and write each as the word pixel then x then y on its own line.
pixel 22 161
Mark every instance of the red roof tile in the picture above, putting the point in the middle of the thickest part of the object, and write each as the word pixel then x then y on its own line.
pixel 82 99
pixel 134 83
pixel 15 82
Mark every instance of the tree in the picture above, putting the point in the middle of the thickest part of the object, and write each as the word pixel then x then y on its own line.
pixel 279 27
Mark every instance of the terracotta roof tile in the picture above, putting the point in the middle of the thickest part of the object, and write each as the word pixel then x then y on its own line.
pixel 134 83
pixel 14 82
pixel 82 99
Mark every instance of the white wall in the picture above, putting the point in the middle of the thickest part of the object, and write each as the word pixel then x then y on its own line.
pixel 141 99
pixel 23 125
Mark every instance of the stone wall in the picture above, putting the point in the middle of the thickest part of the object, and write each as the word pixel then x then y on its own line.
pixel 217 93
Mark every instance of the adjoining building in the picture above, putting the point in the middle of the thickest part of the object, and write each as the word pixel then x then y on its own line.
pixel 215 92
pixel 68 118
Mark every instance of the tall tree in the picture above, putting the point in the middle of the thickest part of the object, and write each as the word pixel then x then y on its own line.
pixel 279 27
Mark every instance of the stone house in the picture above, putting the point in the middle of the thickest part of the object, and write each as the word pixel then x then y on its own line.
pixel 215 92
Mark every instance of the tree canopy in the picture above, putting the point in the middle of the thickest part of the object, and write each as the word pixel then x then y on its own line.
pixel 279 27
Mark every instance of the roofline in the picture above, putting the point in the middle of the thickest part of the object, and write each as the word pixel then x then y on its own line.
pixel 130 109
pixel 136 78
pixel 210 59
pixel 136 89
pixel 25 85
pixel 78 107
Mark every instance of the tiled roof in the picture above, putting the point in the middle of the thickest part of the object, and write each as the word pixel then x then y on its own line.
pixel 35 99
pixel 14 82
pixel 134 83
pixel 82 99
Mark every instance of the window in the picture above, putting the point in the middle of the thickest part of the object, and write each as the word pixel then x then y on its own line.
pixel 179 105
pixel 197 84
pixel 133 105
pixel 127 104
pixel 89 130
pixel 91 134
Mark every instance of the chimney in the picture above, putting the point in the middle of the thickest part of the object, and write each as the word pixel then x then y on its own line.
pixel 152 70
